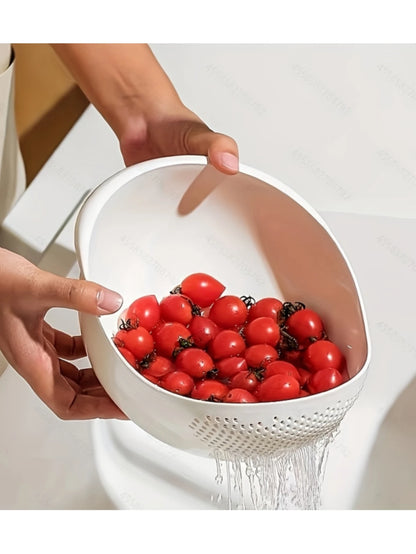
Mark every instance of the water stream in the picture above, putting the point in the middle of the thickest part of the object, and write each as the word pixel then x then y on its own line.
pixel 287 480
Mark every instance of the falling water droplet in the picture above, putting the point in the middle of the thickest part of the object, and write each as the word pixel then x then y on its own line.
pixel 289 479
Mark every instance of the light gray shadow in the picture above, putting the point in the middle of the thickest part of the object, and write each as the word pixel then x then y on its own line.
pixel 201 187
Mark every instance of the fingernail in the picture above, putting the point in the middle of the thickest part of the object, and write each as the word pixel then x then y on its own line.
pixel 229 161
pixel 108 301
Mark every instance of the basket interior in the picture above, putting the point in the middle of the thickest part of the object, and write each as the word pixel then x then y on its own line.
pixel 257 239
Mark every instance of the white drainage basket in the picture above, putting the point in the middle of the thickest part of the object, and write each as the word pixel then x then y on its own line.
pixel 147 227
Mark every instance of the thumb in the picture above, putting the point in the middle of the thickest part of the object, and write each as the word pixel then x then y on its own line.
pixel 77 294
pixel 221 149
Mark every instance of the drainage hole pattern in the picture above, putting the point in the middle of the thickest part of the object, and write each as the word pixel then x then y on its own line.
pixel 230 435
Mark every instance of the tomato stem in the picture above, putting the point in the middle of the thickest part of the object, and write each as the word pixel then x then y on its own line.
pixel 213 398
pixel 212 373
pixel 195 309
pixel 127 325
pixel 258 372
pixel 147 360
pixel 183 343
pixel 248 300
pixel 288 341
pixel 290 308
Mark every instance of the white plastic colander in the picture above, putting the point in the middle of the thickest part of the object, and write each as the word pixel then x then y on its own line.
pixel 147 227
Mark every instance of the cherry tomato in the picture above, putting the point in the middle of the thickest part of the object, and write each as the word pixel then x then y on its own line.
pixel 227 343
pixel 198 343
pixel 227 367
pixel 304 375
pixel 151 378
pixel 139 341
pixel 322 354
pixel 203 330
pixel 292 356
pixel 176 307
pixel 265 307
pixel 324 379
pixel 178 382
pixel 210 389
pixel 119 337
pixel 278 387
pixel 128 356
pixel 144 311
pixel 259 355
pixel 167 337
pixel 202 289
pixel 228 312
pixel 305 325
pixel 240 396
pixel 194 361
pixel 262 330
pixel 246 380
pixel 158 367
pixel 283 368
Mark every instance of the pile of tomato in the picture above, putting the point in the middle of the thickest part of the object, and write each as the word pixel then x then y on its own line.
pixel 199 342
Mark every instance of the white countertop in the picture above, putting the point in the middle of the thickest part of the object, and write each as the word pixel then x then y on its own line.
pixel 335 123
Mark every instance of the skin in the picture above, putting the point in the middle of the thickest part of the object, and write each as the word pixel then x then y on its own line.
pixel 134 95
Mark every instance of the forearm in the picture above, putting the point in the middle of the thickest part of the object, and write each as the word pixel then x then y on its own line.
pixel 133 93
pixel 124 81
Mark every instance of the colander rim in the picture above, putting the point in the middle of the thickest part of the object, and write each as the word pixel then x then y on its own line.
pixel 103 192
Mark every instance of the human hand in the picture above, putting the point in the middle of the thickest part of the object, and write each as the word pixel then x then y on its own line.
pixel 176 131
pixel 128 86
pixel 41 354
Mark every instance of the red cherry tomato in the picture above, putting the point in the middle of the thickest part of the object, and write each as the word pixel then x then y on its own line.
pixel 240 396
pixel 119 337
pixel 198 343
pixel 178 382
pixel 265 307
pixel 158 367
pixel 226 344
pixel 246 380
pixel 202 289
pixel 194 361
pixel 281 367
pixel 278 387
pixel 228 367
pixel 144 311
pixel 209 389
pixel 292 356
pixel 151 378
pixel 228 312
pixel 305 325
pixel 322 354
pixel 259 355
pixel 139 341
pixel 176 307
pixel 203 330
pixel 304 375
pixel 262 330
pixel 167 337
pixel 324 379
pixel 128 356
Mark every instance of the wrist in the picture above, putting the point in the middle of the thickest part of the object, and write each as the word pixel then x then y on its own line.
pixel 124 81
